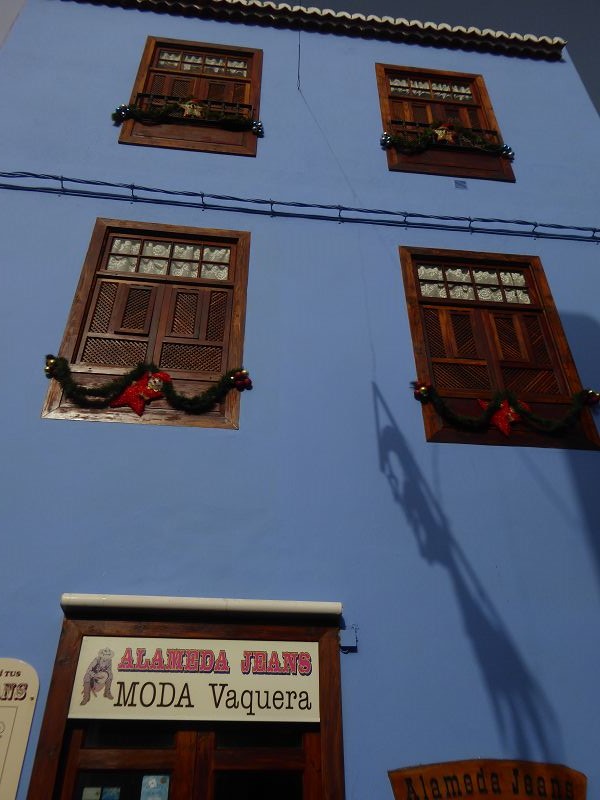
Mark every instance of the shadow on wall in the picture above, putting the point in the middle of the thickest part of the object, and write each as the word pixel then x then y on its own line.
pixel 585 331
pixel 525 720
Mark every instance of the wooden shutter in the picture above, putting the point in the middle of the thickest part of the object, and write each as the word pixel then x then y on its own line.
pixel 194 335
pixel 171 85
pixel 118 325
pixel 527 362
pixel 413 110
pixel 199 88
pixel 457 356
pixel 477 350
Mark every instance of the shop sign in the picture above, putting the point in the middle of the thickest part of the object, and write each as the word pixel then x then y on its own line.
pixel 18 692
pixel 488 779
pixel 196 679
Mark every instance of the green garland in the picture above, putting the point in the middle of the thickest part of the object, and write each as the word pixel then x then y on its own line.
pixel 427 137
pixel 102 396
pixel 586 397
pixel 166 113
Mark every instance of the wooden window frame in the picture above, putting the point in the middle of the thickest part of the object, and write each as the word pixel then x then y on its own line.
pixel 194 759
pixel 226 415
pixel 206 139
pixel 443 160
pixel 463 400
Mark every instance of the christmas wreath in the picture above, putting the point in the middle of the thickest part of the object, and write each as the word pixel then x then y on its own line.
pixel 504 409
pixel 141 385
pixel 442 133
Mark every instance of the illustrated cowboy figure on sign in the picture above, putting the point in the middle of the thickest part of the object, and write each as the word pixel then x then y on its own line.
pixel 98 676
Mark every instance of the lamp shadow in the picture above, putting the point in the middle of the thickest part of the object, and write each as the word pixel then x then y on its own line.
pixel 527 725
pixel 581 331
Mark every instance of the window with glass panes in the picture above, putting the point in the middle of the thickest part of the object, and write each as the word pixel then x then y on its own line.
pixel 170 296
pixel 483 323
pixel 413 101
pixel 200 84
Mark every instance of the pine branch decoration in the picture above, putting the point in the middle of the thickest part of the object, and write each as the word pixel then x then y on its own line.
pixel 143 383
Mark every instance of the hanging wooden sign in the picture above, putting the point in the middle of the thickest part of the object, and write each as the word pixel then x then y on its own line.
pixel 18 692
pixel 488 779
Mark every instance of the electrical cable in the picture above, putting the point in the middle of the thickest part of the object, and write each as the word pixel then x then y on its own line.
pixel 90 188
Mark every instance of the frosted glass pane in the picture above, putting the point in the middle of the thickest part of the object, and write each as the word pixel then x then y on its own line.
pixel 215 272
pixel 158 249
pixel 153 266
pixel 186 251
pixel 213 64
pixel 236 67
pixel 512 278
pixel 167 59
pixel 217 254
pixel 461 291
pixel 126 246
pixel 184 269
pixel 192 63
pixel 122 263
pixel 518 296
pixel 441 90
pixel 433 289
pixel 484 276
pixel 458 274
pixel 431 273
pixel 399 86
pixel 489 294
pixel 462 92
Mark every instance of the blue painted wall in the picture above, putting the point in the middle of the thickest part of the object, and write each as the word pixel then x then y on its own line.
pixel 471 572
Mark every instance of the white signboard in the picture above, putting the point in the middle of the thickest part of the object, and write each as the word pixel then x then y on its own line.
pixel 196 679
pixel 18 692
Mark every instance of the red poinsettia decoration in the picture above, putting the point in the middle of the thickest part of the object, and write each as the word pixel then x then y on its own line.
pixel 504 416
pixel 137 394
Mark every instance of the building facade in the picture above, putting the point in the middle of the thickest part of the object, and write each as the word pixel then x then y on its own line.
pixel 340 206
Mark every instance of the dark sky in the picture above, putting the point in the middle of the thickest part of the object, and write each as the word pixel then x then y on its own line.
pixel 577 21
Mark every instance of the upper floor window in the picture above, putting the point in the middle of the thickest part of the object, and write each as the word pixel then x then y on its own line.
pixel 440 123
pixel 171 296
pixel 194 96
pixel 484 324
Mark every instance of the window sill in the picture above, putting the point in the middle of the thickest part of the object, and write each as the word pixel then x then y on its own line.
pixel 226 416
pixel 453 162
pixel 583 436
pixel 182 136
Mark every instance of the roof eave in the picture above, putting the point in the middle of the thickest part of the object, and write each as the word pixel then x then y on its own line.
pixel 343 23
